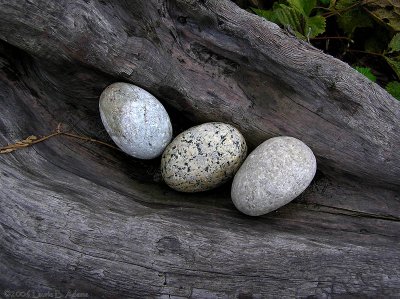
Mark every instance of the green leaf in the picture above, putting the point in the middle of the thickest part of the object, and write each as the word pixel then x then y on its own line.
pixel 394 64
pixel 303 6
pixel 270 15
pixel 325 2
pixel 371 44
pixel 289 16
pixel 344 4
pixel 376 41
pixel 295 17
pixel 385 11
pixel 366 71
pixel 315 26
pixel 394 89
pixel 286 16
pixel 332 5
pixel 394 44
pixel 351 17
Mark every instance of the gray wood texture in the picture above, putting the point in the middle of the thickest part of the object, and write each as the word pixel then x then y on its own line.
pixel 76 215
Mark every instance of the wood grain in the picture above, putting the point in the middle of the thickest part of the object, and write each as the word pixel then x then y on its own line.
pixel 216 61
pixel 79 215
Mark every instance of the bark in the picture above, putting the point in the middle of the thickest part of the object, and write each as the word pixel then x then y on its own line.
pixel 81 216
pixel 216 61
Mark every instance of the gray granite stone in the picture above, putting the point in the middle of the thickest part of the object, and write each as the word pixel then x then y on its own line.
pixel 136 121
pixel 203 157
pixel 275 173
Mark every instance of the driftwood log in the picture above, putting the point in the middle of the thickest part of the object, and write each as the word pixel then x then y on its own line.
pixel 80 216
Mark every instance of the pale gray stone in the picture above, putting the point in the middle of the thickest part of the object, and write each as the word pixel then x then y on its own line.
pixel 203 157
pixel 136 121
pixel 275 173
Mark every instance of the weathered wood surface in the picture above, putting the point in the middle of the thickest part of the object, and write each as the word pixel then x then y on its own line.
pixel 216 61
pixel 77 215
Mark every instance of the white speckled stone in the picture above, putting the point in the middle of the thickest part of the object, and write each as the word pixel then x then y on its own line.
pixel 203 157
pixel 136 121
pixel 275 173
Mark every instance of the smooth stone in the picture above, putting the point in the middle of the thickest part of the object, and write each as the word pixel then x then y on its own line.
pixel 275 173
pixel 203 157
pixel 136 121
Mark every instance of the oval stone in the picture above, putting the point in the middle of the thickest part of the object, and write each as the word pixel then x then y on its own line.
pixel 136 121
pixel 275 173
pixel 203 157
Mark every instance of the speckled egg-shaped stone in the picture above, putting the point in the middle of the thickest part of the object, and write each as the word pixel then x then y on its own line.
pixel 136 121
pixel 203 157
pixel 275 173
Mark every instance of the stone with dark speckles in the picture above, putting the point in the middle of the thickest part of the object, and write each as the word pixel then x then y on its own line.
pixel 203 157
pixel 275 173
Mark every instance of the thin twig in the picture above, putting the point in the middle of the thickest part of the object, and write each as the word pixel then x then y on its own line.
pixel 365 52
pixel 338 12
pixel 332 37
pixel 90 139
pixel 22 144
pixel 32 140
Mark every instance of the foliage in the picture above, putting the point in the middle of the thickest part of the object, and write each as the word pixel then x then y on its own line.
pixel 365 33
pixel 350 16
pixel 366 71
pixel 394 89
pixel 386 12
pixel 392 54
pixel 296 14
